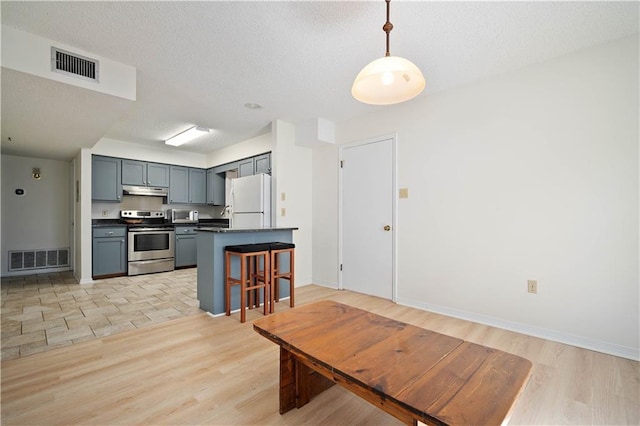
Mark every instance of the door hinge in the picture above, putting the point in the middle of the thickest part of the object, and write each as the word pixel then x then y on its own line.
pixel 341 266
pixel 341 163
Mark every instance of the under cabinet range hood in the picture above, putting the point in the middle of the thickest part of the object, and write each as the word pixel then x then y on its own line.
pixel 145 190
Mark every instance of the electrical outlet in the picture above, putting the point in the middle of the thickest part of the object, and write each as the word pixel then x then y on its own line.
pixel 105 213
pixel 404 192
pixel 283 197
pixel 282 211
pixel 532 286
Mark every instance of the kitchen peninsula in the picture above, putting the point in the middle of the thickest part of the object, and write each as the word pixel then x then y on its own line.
pixel 211 244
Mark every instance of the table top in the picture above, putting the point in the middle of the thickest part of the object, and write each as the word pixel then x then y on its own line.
pixel 437 377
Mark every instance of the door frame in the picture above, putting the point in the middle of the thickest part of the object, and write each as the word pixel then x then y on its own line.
pixel 394 206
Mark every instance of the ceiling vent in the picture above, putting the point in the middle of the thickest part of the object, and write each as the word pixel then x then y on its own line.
pixel 72 64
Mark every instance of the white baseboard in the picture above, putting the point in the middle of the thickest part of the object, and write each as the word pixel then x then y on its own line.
pixel 329 284
pixel 556 336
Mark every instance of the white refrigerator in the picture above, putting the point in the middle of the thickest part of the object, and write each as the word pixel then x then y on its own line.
pixel 251 201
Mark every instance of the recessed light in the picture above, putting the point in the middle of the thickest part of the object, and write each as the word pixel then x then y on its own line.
pixel 252 105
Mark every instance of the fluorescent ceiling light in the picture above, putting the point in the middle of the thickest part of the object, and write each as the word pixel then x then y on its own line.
pixel 187 136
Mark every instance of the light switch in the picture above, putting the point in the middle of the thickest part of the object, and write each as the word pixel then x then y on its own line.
pixel 283 197
pixel 404 192
pixel 282 211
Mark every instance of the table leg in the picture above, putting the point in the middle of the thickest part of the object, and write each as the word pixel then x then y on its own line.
pixel 287 381
pixel 298 382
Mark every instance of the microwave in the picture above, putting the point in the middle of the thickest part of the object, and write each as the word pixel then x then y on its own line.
pixel 183 216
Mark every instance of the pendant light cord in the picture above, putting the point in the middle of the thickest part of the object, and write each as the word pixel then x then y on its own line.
pixel 387 27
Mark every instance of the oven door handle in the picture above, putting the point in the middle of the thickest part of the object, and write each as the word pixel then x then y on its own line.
pixel 151 230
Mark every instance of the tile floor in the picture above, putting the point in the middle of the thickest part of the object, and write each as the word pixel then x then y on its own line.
pixel 47 311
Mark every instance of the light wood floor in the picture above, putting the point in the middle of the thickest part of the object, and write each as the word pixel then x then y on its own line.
pixel 216 371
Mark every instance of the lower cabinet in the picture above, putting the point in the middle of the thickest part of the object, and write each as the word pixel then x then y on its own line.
pixel 186 246
pixel 109 251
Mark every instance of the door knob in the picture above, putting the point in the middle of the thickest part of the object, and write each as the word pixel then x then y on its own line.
pixel 387 228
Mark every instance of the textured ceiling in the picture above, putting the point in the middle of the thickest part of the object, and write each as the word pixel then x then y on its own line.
pixel 200 62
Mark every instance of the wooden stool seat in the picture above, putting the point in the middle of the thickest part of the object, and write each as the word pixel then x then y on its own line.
pixel 276 249
pixel 251 279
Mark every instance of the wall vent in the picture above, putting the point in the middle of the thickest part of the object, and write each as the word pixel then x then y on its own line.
pixel 72 64
pixel 20 260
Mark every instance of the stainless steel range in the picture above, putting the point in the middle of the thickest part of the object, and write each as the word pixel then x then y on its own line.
pixel 150 242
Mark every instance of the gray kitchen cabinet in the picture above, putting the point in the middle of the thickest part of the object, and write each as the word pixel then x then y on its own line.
pixel 187 185
pixel 186 246
pixel 254 165
pixel 215 187
pixel 246 167
pixel 197 186
pixel 142 173
pixel 106 179
pixel 179 184
pixel 262 164
pixel 158 175
pixel 109 255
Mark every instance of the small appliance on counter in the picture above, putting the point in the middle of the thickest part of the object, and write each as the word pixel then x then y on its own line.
pixel 182 216
pixel 150 241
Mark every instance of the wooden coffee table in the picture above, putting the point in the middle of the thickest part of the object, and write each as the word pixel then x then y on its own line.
pixel 412 373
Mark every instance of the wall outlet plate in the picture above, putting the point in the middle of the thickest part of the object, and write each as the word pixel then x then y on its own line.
pixel 532 286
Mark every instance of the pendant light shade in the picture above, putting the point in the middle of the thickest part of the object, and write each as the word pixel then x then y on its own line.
pixel 388 80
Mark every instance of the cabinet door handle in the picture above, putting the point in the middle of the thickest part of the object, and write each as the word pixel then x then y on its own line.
pixel 109 233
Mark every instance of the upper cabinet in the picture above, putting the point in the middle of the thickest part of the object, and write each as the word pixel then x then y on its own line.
pixel 254 165
pixel 179 188
pixel 197 186
pixel 215 187
pixel 262 164
pixel 141 173
pixel 106 180
pixel 188 185
pixel 246 167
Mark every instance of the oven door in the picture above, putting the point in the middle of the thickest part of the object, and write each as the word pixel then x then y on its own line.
pixel 150 244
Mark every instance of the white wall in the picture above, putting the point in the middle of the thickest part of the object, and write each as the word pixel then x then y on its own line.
pixel 31 54
pixel 248 148
pixel 41 218
pixel 292 165
pixel 529 175
pixel 325 217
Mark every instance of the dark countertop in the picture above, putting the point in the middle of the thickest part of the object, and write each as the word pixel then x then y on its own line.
pixel 96 223
pixel 230 230
pixel 222 223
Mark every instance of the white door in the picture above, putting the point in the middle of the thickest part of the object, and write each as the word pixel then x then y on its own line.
pixel 367 220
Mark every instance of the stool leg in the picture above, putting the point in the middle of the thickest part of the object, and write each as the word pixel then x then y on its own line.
pixel 292 264
pixel 251 281
pixel 276 272
pixel 227 283
pixel 267 283
pixel 243 289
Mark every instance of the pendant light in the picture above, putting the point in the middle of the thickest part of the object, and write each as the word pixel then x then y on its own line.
pixel 388 80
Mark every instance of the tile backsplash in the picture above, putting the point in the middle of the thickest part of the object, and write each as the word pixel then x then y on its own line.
pixel 136 202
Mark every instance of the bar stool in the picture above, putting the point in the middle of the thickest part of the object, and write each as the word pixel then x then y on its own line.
pixel 278 248
pixel 251 277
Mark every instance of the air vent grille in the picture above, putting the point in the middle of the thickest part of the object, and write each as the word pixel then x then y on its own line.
pixel 20 260
pixel 76 65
